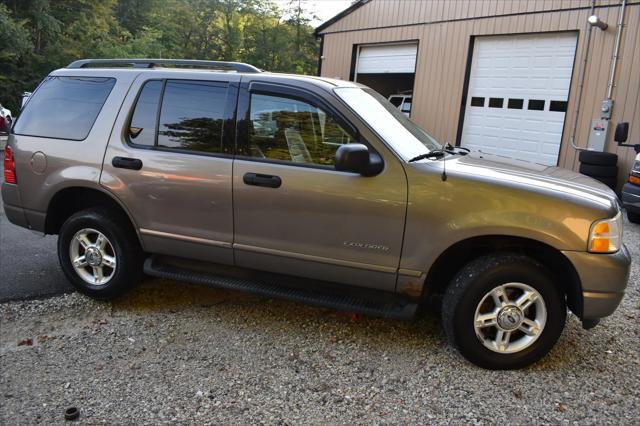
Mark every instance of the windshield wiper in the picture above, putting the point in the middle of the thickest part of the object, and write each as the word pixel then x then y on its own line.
pixel 430 154
pixel 447 148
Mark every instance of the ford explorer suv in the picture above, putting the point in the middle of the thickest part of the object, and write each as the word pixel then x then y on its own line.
pixel 311 190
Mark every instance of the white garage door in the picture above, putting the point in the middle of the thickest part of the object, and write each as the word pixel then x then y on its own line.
pixel 517 97
pixel 387 58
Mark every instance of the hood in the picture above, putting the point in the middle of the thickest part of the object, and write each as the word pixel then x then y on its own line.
pixel 523 173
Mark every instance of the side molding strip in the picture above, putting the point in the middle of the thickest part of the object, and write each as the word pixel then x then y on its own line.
pixel 318 259
pixel 410 272
pixel 180 237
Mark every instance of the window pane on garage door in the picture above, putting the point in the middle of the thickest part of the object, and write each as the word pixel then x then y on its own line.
pixel 532 74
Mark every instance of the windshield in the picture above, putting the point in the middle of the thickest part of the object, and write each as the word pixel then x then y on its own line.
pixel 405 137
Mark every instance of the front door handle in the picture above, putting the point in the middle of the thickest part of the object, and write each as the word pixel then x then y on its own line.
pixel 258 179
pixel 126 163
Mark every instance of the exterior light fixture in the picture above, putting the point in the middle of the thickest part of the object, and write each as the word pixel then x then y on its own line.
pixel 594 21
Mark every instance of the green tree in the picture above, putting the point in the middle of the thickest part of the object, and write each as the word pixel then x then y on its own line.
pixel 38 36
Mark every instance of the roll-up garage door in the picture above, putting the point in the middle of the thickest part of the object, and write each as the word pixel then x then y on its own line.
pixel 387 59
pixel 517 96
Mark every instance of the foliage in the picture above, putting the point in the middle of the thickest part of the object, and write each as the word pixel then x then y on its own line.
pixel 38 36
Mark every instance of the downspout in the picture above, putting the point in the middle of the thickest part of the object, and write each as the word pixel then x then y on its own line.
pixel 583 69
pixel 320 52
pixel 616 50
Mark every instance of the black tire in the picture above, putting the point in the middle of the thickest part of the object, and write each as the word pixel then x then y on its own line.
pixel 598 171
pixel 476 280
pixel 597 158
pixel 633 217
pixel 124 243
pixel 611 182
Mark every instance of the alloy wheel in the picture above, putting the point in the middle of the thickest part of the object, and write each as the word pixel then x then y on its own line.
pixel 510 318
pixel 92 256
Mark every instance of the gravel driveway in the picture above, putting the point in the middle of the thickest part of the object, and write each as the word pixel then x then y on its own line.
pixel 175 353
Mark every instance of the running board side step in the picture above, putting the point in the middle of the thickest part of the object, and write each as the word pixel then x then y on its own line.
pixel 390 306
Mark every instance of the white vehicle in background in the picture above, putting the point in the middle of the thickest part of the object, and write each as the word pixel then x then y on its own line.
pixel 402 101
pixel 7 115
pixel 5 124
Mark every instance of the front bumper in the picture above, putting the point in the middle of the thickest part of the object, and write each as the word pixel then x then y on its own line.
pixel 631 197
pixel 604 278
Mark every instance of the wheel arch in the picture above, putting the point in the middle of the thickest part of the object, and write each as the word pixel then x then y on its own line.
pixel 73 199
pixel 449 262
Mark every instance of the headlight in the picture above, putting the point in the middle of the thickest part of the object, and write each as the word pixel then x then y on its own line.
pixel 634 176
pixel 606 235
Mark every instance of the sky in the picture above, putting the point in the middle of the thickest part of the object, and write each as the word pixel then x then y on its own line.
pixel 324 9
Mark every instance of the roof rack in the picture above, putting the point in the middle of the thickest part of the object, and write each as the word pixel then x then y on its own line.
pixel 151 63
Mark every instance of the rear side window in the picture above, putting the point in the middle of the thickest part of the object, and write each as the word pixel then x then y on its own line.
pixel 191 115
pixel 64 107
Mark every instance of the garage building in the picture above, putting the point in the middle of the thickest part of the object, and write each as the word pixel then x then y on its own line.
pixel 500 76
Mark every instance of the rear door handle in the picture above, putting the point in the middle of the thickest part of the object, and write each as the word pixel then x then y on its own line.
pixel 258 179
pixel 126 163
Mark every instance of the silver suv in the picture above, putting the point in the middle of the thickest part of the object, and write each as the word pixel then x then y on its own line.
pixel 221 174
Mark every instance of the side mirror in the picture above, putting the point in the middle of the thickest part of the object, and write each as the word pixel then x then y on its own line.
pixel 356 157
pixel 622 133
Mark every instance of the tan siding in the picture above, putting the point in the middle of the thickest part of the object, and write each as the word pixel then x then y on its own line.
pixel 384 13
pixel 443 48
pixel 627 91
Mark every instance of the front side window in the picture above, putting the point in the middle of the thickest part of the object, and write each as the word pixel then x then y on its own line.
pixel 287 129
pixel 191 115
pixel 64 107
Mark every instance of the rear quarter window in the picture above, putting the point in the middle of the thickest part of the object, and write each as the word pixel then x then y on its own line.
pixel 64 107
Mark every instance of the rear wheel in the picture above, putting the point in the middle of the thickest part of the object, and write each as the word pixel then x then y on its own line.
pixel 99 253
pixel 503 311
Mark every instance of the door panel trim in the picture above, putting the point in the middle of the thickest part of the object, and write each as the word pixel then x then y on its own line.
pixel 318 259
pixel 241 157
pixel 181 237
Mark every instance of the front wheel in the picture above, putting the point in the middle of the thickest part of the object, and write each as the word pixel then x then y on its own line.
pixel 503 311
pixel 99 253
